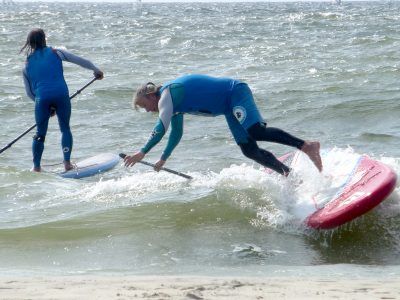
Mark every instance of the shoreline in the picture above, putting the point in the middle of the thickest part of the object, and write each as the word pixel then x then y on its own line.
pixel 194 287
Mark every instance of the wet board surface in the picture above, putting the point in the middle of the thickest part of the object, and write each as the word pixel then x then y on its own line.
pixel 93 165
pixel 365 185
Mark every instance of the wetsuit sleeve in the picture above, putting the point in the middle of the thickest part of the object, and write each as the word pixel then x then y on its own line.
pixel 165 109
pixel 175 135
pixel 155 136
pixel 75 59
pixel 27 83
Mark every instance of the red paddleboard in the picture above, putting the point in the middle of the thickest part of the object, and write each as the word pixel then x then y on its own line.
pixel 367 185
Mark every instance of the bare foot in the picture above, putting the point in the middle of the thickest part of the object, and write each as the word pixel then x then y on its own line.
pixel 35 169
pixel 312 150
pixel 68 166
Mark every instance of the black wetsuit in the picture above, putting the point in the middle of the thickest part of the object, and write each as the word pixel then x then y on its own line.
pixel 260 132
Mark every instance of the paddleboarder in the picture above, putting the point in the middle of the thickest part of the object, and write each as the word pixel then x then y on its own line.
pixel 45 85
pixel 211 96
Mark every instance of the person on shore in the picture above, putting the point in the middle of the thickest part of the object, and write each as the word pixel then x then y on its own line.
pixel 45 85
pixel 202 94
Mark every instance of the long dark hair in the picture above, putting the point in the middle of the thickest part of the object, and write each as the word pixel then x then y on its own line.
pixel 36 40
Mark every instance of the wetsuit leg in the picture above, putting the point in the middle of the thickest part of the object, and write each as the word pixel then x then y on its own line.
pixel 243 113
pixel 240 134
pixel 247 127
pixel 64 115
pixel 243 106
pixel 259 132
pixel 263 157
pixel 250 148
pixel 42 115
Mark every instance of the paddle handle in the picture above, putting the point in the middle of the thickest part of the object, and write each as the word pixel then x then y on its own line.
pixel 123 155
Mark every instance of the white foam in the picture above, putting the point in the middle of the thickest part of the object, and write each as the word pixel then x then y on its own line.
pixel 316 189
pixel 319 188
pixel 278 201
pixel 133 187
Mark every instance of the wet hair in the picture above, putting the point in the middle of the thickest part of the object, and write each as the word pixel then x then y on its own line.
pixel 143 91
pixel 36 40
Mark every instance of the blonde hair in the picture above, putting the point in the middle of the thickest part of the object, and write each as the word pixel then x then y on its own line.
pixel 143 91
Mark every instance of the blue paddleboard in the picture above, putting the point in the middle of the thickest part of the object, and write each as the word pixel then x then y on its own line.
pixel 92 166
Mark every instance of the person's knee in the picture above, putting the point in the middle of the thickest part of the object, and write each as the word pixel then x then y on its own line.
pixel 249 149
pixel 39 138
pixel 267 155
pixel 256 130
pixel 65 128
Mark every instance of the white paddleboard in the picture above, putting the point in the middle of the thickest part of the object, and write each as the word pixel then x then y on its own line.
pixel 92 166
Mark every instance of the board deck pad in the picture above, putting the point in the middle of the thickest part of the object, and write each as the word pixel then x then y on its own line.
pixel 367 183
pixel 93 165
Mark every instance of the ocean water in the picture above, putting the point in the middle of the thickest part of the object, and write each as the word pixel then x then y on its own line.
pixel 318 70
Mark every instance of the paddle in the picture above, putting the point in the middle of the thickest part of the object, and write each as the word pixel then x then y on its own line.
pixel 33 126
pixel 122 155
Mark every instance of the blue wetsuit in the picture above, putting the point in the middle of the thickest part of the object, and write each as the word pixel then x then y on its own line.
pixel 45 84
pixel 201 94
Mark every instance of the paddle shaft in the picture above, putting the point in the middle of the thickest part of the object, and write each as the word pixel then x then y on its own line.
pixel 20 136
pixel 33 126
pixel 122 155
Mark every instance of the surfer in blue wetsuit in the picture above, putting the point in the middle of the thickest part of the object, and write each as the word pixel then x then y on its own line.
pixel 201 94
pixel 45 85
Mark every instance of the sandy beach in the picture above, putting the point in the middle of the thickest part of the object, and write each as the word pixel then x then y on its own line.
pixel 149 287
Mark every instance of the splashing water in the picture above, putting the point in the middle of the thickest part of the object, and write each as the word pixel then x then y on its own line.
pixel 279 202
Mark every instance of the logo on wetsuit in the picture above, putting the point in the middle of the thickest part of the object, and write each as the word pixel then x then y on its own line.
pixel 152 135
pixel 240 113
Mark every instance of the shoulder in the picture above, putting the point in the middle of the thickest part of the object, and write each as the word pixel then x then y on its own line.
pixel 55 50
pixel 172 88
pixel 165 97
pixel 61 53
pixel 176 85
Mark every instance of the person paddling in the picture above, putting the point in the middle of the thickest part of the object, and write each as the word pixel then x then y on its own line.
pixel 202 94
pixel 45 85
